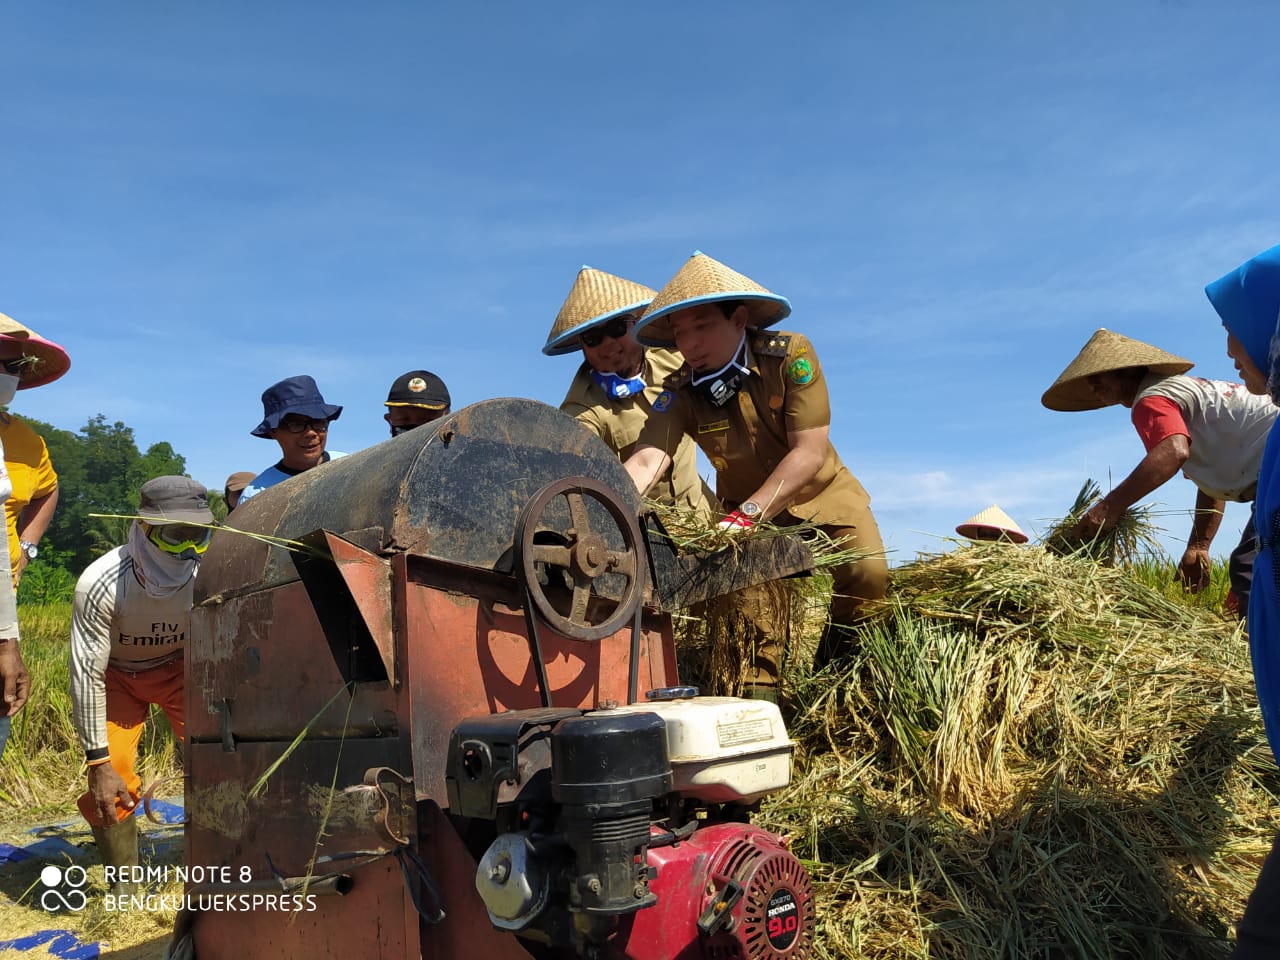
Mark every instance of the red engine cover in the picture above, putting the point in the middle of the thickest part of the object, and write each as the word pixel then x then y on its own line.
pixel 772 919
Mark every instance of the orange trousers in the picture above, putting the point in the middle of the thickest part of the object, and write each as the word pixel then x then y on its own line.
pixel 129 696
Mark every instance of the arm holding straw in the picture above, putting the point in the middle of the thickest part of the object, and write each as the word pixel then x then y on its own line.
pixel 1193 571
pixel 1161 464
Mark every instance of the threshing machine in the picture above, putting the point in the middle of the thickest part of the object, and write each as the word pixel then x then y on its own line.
pixel 433 711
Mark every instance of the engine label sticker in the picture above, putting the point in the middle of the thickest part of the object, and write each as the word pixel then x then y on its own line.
pixel 782 919
pixel 744 731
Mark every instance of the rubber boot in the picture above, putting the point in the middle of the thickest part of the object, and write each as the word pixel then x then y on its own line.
pixel 769 694
pixel 118 847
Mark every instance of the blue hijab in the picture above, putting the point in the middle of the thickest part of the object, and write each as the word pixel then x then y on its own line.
pixel 1248 301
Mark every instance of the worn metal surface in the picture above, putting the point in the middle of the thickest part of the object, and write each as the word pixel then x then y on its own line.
pixel 467 658
pixel 395 613
pixel 583 588
pixel 450 490
pixel 683 580
pixel 262 666
pixel 297 817
pixel 466 933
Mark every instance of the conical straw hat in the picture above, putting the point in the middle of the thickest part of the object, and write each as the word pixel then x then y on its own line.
pixel 992 524
pixel 12 328
pixel 704 280
pixel 47 360
pixel 1105 352
pixel 596 298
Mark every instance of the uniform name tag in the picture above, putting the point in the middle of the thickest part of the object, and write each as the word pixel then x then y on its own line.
pixel 713 427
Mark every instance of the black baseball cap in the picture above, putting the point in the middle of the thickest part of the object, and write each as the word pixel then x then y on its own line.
pixel 419 388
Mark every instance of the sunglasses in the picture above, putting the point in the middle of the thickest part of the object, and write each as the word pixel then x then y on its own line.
pixel 614 329
pixel 303 424
pixel 180 537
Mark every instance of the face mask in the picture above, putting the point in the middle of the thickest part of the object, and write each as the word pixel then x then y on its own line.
pixel 619 388
pixel 402 428
pixel 722 386
pixel 8 387
pixel 162 573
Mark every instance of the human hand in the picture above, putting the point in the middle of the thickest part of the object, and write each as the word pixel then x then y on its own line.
pixel 107 786
pixel 23 560
pixel 1097 519
pixel 1194 569
pixel 13 674
pixel 736 522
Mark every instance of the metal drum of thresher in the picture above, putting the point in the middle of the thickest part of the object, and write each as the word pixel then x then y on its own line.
pixel 364 608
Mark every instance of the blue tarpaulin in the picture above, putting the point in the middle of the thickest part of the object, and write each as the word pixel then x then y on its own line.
pixel 61 943
pixel 50 848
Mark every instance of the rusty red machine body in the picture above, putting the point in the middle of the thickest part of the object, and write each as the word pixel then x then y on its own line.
pixel 433 711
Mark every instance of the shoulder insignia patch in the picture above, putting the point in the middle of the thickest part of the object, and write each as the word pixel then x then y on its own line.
pixel 800 371
pixel 679 378
pixel 771 344
pixel 663 401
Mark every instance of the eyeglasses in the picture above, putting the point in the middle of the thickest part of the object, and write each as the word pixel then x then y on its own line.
pixel 303 424
pixel 180 537
pixel 614 329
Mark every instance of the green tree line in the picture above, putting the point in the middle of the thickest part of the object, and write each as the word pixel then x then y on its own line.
pixel 100 470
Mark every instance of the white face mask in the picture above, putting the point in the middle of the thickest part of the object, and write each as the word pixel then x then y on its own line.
pixel 163 574
pixel 8 387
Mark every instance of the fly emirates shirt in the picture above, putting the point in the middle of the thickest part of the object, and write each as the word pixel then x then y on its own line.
pixel 114 624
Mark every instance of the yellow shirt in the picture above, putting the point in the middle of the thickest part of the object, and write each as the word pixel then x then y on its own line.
pixel 27 458
pixel 619 422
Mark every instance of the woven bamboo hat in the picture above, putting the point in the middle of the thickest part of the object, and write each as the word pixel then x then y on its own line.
pixel 596 298
pixel 704 280
pixel 12 328
pixel 1104 353
pixel 45 360
pixel 992 524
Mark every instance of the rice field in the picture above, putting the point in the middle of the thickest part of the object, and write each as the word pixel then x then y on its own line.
pixel 1028 756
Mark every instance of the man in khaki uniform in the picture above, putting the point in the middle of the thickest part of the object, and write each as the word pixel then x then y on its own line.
pixel 757 404
pixel 613 391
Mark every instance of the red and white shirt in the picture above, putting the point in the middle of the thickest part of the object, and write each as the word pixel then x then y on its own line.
pixel 1226 425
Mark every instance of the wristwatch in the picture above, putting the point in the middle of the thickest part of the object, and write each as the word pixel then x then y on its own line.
pixel 29 548
pixel 749 509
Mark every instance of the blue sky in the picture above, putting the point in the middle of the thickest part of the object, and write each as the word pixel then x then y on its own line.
pixel 200 199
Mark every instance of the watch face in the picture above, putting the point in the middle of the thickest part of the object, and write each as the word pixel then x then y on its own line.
pixel 749 509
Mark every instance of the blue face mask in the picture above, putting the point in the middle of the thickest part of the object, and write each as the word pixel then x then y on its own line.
pixel 619 388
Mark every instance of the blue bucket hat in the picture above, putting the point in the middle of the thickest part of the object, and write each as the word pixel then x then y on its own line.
pixel 1248 301
pixel 298 395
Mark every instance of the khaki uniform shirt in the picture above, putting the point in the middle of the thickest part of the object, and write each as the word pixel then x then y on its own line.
pixel 746 439
pixel 619 422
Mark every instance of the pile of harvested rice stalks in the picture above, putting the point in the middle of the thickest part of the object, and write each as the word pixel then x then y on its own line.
pixel 720 638
pixel 1030 755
